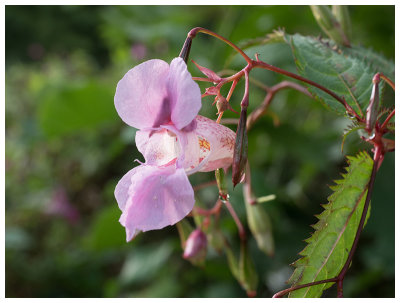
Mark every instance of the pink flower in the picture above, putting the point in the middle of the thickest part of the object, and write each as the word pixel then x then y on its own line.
pixel 163 101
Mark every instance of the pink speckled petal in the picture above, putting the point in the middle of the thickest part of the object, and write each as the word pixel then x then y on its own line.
pixel 141 98
pixel 158 147
pixel 221 141
pixel 184 94
pixel 157 197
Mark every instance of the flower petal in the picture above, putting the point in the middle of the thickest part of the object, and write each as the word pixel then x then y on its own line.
pixel 216 143
pixel 121 190
pixel 184 94
pixel 121 195
pixel 141 98
pixel 158 197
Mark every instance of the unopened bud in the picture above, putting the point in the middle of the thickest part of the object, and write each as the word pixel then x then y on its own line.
pixel 240 149
pixel 223 104
pixel 196 247
pixel 184 54
pixel 329 24
pixel 373 107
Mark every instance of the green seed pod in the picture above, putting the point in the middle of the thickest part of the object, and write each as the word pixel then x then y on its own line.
pixel 373 107
pixel 328 23
pixel 247 271
pixel 341 12
pixel 260 226
pixel 240 149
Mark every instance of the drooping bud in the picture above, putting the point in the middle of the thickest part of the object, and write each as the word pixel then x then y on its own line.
pixel 260 226
pixel 341 12
pixel 240 149
pixel 328 23
pixel 373 107
pixel 209 73
pixel 196 247
pixel 184 54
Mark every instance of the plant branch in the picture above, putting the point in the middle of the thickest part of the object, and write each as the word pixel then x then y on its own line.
pixel 259 111
pixel 388 81
pixel 383 126
pixel 196 30
pixel 242 232
pixel 208 212
pixel 264 65
pixel 293 288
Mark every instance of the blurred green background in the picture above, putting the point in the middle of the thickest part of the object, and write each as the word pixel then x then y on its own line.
pixel 66 149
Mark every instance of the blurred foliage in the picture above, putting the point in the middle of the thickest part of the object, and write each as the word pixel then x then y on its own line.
pixel 66 148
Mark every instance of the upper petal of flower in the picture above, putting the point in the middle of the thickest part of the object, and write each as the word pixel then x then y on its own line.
pixel 184 94
pixel 157 197
pixel 141 98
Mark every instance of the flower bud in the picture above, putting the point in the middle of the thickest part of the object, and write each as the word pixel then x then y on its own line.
pixel 240 149
pixel 196 247
pixel 373 107
pixel 184 54
pixel 223 104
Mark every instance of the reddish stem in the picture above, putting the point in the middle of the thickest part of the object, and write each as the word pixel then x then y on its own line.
pixel 270 67
pixel 242 232
pixel 383 126
pixel 293 288
pixel 208 212
pixel 259 111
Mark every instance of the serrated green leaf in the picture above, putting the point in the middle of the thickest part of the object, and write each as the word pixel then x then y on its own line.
pixel 345 73
pixel 377 62
pixel 331 242
pixel 350 129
